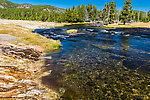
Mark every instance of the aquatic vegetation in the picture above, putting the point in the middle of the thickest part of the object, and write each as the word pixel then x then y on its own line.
pixel 112 82
pixel 98 65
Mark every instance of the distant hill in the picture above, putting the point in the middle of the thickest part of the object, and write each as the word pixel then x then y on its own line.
pixel 8 4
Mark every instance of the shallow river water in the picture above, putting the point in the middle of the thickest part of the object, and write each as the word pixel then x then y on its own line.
pixel 99 63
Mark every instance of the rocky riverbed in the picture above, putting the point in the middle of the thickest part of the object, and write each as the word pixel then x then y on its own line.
pixel 19 73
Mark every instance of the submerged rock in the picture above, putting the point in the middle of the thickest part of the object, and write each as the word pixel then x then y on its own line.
pixel 72 31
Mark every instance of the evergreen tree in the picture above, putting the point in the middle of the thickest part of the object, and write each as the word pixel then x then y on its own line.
pixel 82 10
pixel 89 10
pixel 126 13
pixel 136 16
pixel 112 12
pixel 74 14
pixel 68 15
pixel 145 20
pixel 94 13
pixel 105 11
pixel 148 15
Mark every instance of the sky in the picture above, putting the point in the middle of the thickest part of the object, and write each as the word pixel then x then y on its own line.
pixel 143 5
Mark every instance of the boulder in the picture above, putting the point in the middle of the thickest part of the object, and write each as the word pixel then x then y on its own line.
pixel 98 24
pixel 72 31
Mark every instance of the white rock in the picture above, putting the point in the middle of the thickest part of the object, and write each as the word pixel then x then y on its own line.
pixel 9 85
pixel 20 61
pixel 127 35
pixel 27 81
pixel 8 78
pixel 30 88
pixel 21 95
pixel 34 92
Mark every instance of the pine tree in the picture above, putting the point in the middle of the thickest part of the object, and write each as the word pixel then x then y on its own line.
pixel 112 12
pixel 79 14
pixel 74 14
pixel 89 10
pixel 83 12
pixel 126 13
pixel 104 15
pixel 68 15
pixel 148 15
pixel 136 16
pixel 94 13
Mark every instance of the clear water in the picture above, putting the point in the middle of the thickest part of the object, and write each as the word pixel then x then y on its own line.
pixel 99 63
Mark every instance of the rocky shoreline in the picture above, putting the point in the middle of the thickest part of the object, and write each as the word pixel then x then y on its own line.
pixel 19 74
pixel 21 60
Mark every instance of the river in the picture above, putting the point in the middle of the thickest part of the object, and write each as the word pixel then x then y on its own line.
pixel 99 63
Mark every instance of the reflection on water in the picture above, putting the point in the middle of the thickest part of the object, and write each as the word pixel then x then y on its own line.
pixel 99 64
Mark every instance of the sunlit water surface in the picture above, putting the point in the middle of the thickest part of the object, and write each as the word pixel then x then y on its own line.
pixel 99 63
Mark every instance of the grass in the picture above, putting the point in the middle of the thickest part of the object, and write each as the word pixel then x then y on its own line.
pixel 15 28
pixel 78 23
pixel 26 37
pixel 129 25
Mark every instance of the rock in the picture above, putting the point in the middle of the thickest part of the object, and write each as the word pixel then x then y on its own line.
pixel 76 34
pixel 21 95
pixel 72 31
pixel 46 73
pixel 21 44
pixel 47 57
pixel 34 92
pixel 10 78
pixel 9 85
pixel 27 81
pixel 98 24
pixel 20 52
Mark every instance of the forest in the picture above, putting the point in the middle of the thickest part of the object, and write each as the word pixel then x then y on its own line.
pixel 81 13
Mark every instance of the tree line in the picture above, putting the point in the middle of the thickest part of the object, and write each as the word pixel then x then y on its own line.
pixel 81 13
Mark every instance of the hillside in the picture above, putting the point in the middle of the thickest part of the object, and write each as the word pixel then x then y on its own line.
pixel 8 4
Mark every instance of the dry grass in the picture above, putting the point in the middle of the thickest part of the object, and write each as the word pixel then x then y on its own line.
pixel 129 25
pixel 25 36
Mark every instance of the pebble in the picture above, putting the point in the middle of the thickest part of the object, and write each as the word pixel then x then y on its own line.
pixel 30 88
pixel 21 44
pixel 27 81
pixel 20 61
pixel 21 95
pixel 34 92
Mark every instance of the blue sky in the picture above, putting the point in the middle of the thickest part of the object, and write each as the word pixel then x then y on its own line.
pixel 143 5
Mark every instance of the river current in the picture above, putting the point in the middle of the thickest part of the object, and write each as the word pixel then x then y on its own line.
pixel 99 63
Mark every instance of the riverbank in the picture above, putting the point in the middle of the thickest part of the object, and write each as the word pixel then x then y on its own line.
pixel 19 73
pixel 129 25
pixel 22 30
